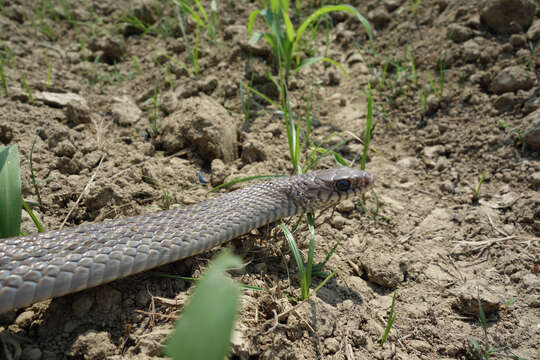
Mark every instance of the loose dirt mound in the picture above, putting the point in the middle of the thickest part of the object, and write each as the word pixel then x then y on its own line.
pixel 457 98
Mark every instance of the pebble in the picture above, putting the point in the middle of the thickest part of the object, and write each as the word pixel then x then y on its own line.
pixel 507 16
pixel 379 17
pixel 535 179
pixel 409 162
pixel 511 79
pixel 24 320
pixel 459 33
pixel 533 33
pixel 58 100
pixel 77 111
pixel 202 124
pixel 332 345
pixel 124 111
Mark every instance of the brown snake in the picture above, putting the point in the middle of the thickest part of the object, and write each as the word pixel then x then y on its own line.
pixel 46 265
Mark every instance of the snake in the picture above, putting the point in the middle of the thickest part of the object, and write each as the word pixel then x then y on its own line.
pixel 50 264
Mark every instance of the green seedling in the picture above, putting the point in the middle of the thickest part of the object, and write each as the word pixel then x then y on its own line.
pixel 390 321
pixel 27 89
pixel 413 66
pixel 305 270
pixel 438 90
pixel 414 5
pixel 284 39
pixel 476 194
pixel 200 16
pixel 486 352
pixel 210 314
pixel 3 80
pixel 193 52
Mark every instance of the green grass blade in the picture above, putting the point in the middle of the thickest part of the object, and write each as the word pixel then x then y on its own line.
pixel 251 21
pixel 10 192
pixel 296 254
pixel 391 319
pixel 309 265
pixel 327 9
pixel 204 330
pixel 33 216
pixel 367 134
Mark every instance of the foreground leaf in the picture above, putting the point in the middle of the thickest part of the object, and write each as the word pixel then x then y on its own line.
pixel 10 192
pixel 204 328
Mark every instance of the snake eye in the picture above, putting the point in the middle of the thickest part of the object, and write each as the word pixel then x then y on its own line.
pixel 343 185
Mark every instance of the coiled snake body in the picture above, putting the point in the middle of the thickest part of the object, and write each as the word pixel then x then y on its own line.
pixel 46 265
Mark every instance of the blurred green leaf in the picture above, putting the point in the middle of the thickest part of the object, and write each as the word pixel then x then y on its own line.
pixel 10 192
pixel 204 329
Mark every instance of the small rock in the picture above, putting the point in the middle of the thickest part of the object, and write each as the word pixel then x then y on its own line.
pixel 511 79
pixel 339 221
pixel 110 50
pixel 58 100
pixel 507 16
pixel 124 111
pixel 220 172
pixel 77 111
pixel 24 320
pixel 432 152
pixel 534 31
pixel 146 10
pixel 432 104
pixel 446 187
pixel 332 345
pixel 505 102
pixel 379 17
pixel 92 345
pixel 409 162
pixel 253 151
pixel 346 206
pixel 65 148
pixel 382 271
pixel 441 164
pixel 203 124
pixel 532 137
pixel 152 343
pixel 334 78
pixel 518 41
pixel 209 84
pixel 531 134
pixel 533 102
pixel 392 5
pixel 535 179
pixel 471 51
pixel 6 133
pixel 467 295
pixel 459 33
pixel 168 103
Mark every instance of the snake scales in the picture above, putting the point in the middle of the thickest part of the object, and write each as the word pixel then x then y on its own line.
pixel 46 265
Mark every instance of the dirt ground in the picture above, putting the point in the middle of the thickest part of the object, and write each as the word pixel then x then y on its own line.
pixel 121 127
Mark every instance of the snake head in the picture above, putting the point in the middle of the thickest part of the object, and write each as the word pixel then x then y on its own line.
pixel 323 188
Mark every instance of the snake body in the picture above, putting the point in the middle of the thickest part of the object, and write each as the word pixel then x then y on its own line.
pixel 46 265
